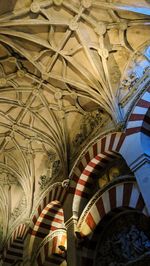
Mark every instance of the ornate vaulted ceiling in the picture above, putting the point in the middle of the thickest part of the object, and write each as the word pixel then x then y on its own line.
pixel 66 76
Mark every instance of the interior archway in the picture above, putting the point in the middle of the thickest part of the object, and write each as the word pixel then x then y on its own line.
pixel 13 253
pixel 74 99
pixel 50 219
pixel 125 239
pixel 121 238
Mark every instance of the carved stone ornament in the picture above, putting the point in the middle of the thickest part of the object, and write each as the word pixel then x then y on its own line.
pixel 8 179
pixel 62 63
pixel 35 8
pixel 51 156
pixel 124 242
pixel 18 210
pixel 86 3
pixel 58 2
pixel 73 24
pixel 136 74
pixel 53 171
pixel 100 28
pixel 90 124
pixel 65 183
pixel 123 247
pixel 44 180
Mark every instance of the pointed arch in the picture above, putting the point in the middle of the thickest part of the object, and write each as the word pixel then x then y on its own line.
pixel 56 192
pixel 120 193
pixel 89 247
pixel 46 220
pixel 49 252
pixel 15 245
pixel 110 147
pixel 50 219
pixel 139 119
pixel 95 159
pixel 138 132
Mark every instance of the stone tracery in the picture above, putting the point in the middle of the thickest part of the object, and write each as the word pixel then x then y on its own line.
pixel 70 73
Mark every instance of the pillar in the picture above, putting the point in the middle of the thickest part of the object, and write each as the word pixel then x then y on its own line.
pixel 71 226
pixel 141 169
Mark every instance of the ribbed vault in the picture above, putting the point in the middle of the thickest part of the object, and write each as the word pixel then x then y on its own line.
pixel 65 71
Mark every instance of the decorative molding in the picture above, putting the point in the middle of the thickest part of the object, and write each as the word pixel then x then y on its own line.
pixel 91 124
pixel 125 247
pixel 136 75
pixel 59 232
pixel 122 194
pixel 20 209
pixel 139 162
pixel 66 183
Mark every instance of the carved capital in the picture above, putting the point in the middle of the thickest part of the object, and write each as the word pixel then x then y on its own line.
pixel 66 183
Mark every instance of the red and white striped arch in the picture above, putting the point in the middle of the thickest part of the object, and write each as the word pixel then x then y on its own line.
pixel 50 253
pixel 118 195
pixel 107 149
pixel 57 193
pixel 50 219
pixel 47 217
pixel 15 245
pixel 95 159
pixel 139 120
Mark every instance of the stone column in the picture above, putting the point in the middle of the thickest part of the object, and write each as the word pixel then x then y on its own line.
pixel 141 169
pixel 26 251
pixel 71 226
pixel 138 161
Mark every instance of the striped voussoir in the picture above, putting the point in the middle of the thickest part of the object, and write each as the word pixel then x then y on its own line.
pixel 123 194
pixel 95 159
pixel 139 120
pixel 106 149
pixel 56 194
pixel 15 245
pixel 48 217
pixel 50 253
pixel 51 218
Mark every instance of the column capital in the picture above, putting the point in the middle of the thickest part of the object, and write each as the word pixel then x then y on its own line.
pixel 71 221
pixel 71 226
